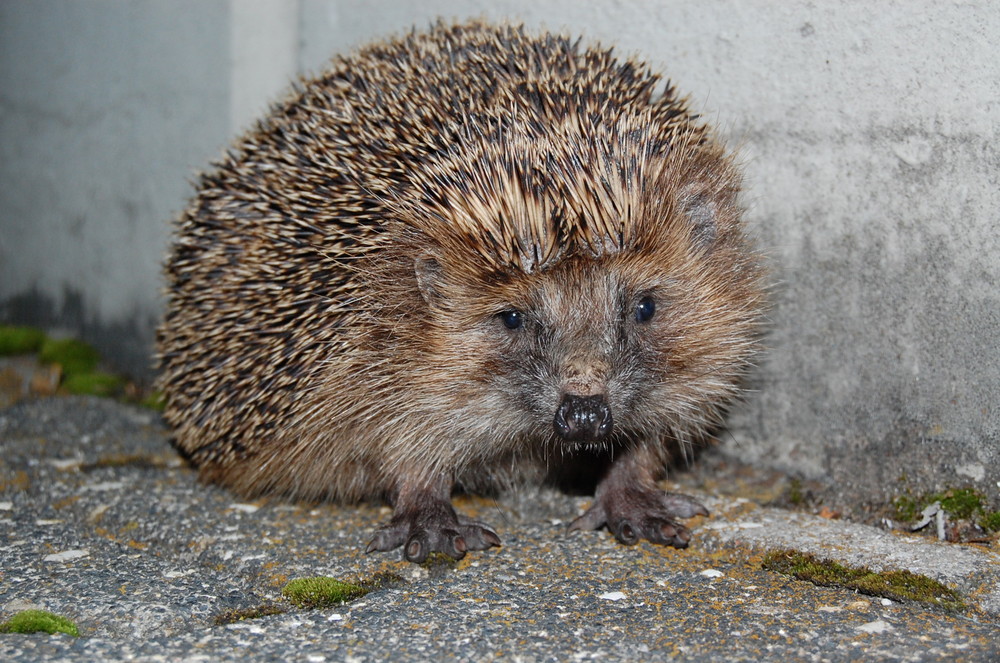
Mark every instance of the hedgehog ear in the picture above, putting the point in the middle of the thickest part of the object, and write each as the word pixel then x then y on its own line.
pixel 707 211
pixel 702 215
pixel 428 271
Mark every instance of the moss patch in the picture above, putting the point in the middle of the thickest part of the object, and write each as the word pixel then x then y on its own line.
pixel 897 585
pixel 991 522
pixel 906 508
pixel 20 340
pixel 233 616
pixel 795 494
pixel 38 621
pixel 959 503
pixel 93 383
pixel 438 564
pixel 72 365
pixel 154 401
pixel 74 356
pixel 321 592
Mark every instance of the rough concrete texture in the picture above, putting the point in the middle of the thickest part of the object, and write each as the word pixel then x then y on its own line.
pixel 869 136
pixel 101 523
pixel 881 210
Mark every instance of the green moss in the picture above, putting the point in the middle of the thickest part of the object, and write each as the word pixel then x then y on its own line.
pixel 897 585
pixel 320 592
pixel 438 563
pixel 795 495
pixel 991 522
pixel 38 621
pixel 155 401
pixel 960 502
pixel 20 340
pixel 74 356
pixel 233 616
pixel 77 359
pixel 906 509
pixel 94 383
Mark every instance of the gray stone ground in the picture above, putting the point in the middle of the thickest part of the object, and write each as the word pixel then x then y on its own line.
pixel 101 522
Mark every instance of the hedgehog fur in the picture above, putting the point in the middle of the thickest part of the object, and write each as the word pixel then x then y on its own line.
pixel 466 253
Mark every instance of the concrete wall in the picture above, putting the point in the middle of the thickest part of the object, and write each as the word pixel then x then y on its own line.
pixel 869 136
pixel 106 108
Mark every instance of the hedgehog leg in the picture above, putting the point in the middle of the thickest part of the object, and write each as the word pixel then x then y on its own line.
pixel 628 502
pixel 423 521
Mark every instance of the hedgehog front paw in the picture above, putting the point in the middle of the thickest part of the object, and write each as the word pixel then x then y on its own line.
pixel 433 528
pixel 632 514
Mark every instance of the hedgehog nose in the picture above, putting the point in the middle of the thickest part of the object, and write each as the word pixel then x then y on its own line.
pixel 583 418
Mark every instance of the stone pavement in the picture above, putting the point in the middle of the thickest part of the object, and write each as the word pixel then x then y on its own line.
pixel 101 522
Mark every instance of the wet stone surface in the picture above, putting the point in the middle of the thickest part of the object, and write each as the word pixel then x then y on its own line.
pixel 102 523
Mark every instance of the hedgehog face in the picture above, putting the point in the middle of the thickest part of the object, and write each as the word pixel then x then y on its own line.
pixel 593 351
pixel 557 342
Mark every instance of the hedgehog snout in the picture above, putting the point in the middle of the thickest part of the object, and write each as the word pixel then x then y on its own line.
pixel 583 418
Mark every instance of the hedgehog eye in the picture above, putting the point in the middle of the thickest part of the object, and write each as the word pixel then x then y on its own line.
pixel 645 309
pixel 511 318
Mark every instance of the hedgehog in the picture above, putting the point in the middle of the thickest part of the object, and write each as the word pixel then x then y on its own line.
pixel 458 259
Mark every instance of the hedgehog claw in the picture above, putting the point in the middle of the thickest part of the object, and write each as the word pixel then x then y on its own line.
pixel 385 538
pixel 631 514
pixel 434 528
